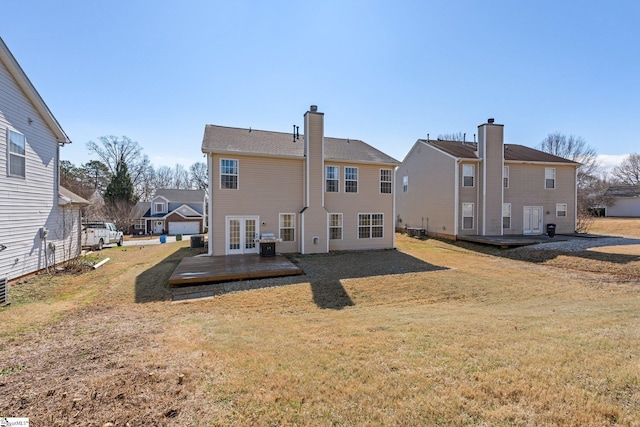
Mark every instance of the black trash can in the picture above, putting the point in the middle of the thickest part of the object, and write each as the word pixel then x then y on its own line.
pixel 268 249
pixel 551 230
pixel 197 242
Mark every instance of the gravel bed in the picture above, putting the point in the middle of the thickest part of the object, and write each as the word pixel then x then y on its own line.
pixel 577 244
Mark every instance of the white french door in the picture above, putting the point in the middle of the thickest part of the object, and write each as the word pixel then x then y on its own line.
pixel 532 220
pixel 241 235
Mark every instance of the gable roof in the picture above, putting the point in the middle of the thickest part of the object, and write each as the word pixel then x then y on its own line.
pixel 181 196
pixel 238 141
pixel 623 191
pixel 66 197
pixel 10 62
pixel 512 152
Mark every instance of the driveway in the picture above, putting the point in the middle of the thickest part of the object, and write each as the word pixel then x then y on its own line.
pixel 152 240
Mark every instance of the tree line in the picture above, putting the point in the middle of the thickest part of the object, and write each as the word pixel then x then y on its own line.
pixel 122 176
pixel 114 153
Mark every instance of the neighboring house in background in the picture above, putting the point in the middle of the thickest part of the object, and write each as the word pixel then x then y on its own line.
pixel 625 201
pixel 172 212
pixel 315 193
pixel 40 221
pixel 452 189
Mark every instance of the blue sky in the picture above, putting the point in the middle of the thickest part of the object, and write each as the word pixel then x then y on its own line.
pixel 384 72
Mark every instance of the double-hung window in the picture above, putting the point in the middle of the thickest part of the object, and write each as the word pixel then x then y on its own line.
pixel 405 184
pixel 505 176
pixel 332 179
pixel 561 209
pixel 506 216
pixel 139 224
pixel 17 154
pixel 370 226
pixel 467 216
pixel 468 175
pixel 335 226
pixel 158 207
pixel 385 181
pixel 350 180
pixel 287 227
pixel 549 178
pixel 229 174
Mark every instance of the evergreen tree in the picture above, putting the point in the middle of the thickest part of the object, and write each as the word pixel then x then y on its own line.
pixel 120 189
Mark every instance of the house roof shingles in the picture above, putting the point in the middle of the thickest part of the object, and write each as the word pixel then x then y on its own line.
pixel 512 152
pixel 227 140
pixel 624 191
pixel 181 196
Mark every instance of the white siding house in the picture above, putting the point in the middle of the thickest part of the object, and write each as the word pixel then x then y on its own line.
pixel 39 222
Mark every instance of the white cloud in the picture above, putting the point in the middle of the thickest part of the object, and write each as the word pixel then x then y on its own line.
pixel 609 161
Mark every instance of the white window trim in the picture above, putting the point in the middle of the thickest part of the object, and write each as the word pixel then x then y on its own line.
pixel 341 226
pixel 156 210
pixel 11 153
pixel 237 174
pixel 352 180
pixel 473 216
pixel 473 175
pixel 390 181
pixel 370 225
pixel 554 179
pixel 510 216
pixel 336 179
pixel 405 184
pixel 505 176
pixel 565 210
pixel 293 226
pixel 139 224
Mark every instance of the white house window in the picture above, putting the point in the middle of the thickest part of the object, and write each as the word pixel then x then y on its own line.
pixel 332 179
pixel 385 181
pixel 506 216
pixel 370 226
pixel 335 226
pixel 158 207
pixel 468 174
pixel 561 209
pixel 549 178
pixel 287 227
pixel 467 216
pixel 139 224
pixel 350 180
pixel 17 154
pixel 229 174
pixel 405 184
pixel 505 176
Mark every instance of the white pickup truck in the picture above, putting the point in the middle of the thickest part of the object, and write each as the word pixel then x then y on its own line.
pixel 97 234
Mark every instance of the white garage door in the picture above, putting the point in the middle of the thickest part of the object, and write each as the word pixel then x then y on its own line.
pixel 188 227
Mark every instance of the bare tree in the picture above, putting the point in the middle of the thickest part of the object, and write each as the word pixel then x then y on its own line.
pixel 628 171
pixel 147 185
pixel 199 176
pixel 122 213
pixel 576 149
pixel 164 177
pixel 181 178
pixel 457 136
pixel 112 151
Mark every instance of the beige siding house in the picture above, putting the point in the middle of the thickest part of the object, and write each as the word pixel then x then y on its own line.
pixel 315 194
pixel 40 221
pixel 451 188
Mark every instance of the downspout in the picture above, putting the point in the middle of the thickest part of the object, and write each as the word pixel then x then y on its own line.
pixel 210 208
pixel 456 201
pixel 393 210
pixel 575 202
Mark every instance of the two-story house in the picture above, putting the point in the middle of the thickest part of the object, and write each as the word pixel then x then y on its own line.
pixel 40 221
pixel 314 193
pixel 172 211
pixel 451 188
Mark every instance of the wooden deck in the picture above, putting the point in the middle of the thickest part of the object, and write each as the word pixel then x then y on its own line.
pixel 509 241
pixel 211 269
